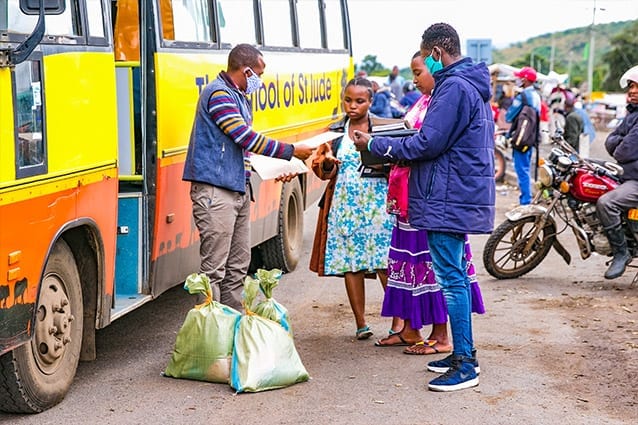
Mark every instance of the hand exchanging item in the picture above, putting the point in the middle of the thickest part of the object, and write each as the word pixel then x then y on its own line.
pixel 286 177
pixel 329 158
pixel 361 140
pixel 303 151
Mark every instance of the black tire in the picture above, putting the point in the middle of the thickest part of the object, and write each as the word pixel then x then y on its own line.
pixel 283 251
pixel 500 166
pixel 37 375
pixel 503 257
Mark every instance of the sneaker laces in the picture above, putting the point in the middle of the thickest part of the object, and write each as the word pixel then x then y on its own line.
pixel 455 364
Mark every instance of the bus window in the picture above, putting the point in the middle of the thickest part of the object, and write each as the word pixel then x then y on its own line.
pixel 309 24
pixel 64 24
pixel 334 25
pixel 4 16
pixel 191 20
pixel 96 22
pixel 30 147
pixel 236 21
pixel 276 22
pixel 126 29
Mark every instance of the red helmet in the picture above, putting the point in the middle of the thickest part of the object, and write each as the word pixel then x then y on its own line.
pixel 526 72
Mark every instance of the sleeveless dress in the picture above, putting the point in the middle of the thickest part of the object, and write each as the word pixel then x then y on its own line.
pixel 359 228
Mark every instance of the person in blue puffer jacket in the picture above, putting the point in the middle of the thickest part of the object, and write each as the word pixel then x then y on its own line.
pixel 451 187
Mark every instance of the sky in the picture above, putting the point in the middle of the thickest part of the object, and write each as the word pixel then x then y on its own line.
pixel 392 29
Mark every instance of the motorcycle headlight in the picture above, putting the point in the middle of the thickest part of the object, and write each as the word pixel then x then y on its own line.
pixel 546 176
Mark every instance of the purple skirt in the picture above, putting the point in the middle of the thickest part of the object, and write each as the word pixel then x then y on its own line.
pixel 412 292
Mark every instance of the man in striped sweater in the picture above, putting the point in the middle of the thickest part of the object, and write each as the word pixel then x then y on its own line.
pixel 218 168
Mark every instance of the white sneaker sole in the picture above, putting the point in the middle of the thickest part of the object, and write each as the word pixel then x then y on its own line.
pixel 461 386
pixel 435 369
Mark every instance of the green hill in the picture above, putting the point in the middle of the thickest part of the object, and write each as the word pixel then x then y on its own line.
pixel 570 51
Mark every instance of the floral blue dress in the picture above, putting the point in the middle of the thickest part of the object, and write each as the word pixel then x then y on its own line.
pixel 359 228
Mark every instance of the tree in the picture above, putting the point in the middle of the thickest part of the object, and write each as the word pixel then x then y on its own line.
pixel 621 57
pixel 370 65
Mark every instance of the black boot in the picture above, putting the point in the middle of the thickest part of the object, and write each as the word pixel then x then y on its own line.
pixel 621 256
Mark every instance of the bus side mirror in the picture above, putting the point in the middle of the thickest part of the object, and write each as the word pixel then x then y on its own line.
pixel 51 7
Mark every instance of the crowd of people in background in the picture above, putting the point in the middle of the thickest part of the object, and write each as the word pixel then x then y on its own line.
pixel 391 102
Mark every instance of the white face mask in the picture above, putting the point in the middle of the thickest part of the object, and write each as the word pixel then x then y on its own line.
pixel 253 83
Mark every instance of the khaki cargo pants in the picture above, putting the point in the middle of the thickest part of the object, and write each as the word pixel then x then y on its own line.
pixel 223 220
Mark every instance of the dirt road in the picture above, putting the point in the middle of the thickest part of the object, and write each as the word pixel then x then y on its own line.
pixel 558 346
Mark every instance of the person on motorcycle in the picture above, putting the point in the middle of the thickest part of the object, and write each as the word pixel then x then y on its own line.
pixel 622 145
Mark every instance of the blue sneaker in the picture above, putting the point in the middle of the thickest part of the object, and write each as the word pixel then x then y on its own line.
pixel 442 366
pixel 459 376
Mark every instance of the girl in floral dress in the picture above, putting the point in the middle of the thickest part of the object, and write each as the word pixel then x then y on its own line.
pixel 353 228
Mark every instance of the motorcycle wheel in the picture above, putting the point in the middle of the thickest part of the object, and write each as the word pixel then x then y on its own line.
pixel 503 255
pixel 499 166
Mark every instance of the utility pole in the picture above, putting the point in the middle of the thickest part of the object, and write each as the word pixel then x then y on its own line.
pixel 551 55
pixel 569 67
pixel 592 47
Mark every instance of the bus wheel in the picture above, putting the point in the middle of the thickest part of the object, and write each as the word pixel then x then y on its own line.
pixel 38 374
pixel 283 251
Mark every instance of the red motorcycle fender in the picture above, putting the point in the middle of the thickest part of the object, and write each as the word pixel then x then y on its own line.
pixel 533 210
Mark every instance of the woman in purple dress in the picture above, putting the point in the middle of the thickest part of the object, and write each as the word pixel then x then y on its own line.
pixel 412 293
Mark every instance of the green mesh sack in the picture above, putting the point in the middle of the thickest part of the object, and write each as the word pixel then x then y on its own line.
pixel 264 354
pixel 204 344
pixel 270 308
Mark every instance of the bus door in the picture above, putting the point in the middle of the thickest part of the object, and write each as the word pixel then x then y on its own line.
pixel 131 285
pixel 156 249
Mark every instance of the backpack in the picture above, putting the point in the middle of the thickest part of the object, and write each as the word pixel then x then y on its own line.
pixel 525 132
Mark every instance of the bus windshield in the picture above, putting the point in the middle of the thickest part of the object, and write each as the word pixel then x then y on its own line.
pixel 13 20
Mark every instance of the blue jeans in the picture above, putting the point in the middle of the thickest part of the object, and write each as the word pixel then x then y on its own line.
pixel 450 268
pixel 522 162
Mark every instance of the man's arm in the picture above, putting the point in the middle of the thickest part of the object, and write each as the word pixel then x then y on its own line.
pixel 225 112
pixel 447 116
pixel 626 150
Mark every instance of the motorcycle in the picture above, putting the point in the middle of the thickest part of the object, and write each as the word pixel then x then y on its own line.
pixel 568 188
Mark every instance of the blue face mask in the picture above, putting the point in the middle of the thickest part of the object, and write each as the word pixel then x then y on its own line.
pixel 432 65
pixel 253 83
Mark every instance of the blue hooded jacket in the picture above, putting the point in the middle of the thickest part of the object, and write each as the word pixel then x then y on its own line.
pixel 452 156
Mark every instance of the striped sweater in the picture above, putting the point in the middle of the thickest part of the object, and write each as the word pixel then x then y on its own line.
pixel 222 138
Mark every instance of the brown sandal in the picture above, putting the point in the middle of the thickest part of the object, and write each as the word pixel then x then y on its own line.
pixel 426 347
pixel 383 342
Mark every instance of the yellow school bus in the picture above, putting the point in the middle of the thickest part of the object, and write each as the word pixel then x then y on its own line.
pixel 97 100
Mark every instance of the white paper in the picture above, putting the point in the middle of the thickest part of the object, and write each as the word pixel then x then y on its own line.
pixel 270 168
pixel 320 139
